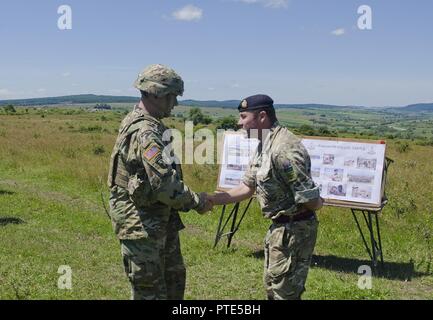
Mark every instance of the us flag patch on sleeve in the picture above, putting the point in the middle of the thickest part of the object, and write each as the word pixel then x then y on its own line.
pixel 151 152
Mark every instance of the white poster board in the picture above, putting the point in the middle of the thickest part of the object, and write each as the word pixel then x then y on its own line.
pixel 237 153
pixel 346 170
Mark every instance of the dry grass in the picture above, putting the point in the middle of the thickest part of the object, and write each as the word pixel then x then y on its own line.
pixel 52 169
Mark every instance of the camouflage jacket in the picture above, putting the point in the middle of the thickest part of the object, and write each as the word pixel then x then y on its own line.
pixel 280 172
pixel 146 192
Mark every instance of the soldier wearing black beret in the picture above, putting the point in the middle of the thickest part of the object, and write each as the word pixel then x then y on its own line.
pixel 256 102
pixel 280 175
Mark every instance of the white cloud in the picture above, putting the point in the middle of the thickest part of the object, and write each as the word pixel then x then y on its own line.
pixel 41 90
pixel 269 3
pixel 66 74
pixel 339 32
pixel 188 13
pixel 4 92
pixel 276 3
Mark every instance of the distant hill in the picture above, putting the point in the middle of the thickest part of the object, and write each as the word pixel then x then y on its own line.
pixel 315 106
pixel 418 107
pixel 211 103
pixel 94 99
pixel 82 98
pixel 235 104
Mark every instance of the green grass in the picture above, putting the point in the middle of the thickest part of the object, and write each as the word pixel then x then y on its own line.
pixel 51 180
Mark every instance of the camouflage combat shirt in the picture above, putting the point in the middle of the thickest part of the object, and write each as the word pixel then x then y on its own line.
pixel 146 191
pixel 280 172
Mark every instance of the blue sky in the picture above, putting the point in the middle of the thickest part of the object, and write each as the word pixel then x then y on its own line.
pixel 296 51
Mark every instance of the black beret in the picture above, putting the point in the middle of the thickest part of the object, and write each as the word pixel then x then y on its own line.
pixel 258 101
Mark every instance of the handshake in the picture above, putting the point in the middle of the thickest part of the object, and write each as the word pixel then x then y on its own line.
pixel 210 200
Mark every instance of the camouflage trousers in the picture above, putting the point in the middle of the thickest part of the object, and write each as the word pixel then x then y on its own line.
pixel 155 267
pixel 288 251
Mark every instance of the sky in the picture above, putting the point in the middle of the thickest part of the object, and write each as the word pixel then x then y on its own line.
pixel 296 51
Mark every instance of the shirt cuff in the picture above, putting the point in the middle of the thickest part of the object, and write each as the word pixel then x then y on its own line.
pixel 307 195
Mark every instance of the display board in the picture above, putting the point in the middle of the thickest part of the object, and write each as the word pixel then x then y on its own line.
pixel 237 152
pixel 348 172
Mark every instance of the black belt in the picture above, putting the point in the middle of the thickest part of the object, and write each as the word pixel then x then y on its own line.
pixel 301 216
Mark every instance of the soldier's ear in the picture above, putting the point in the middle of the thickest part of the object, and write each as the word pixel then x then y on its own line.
pixel 262 116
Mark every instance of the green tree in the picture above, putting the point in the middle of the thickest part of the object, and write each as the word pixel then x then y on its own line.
pixel 324 131
pixel 196 116
pixel 228 123
pixel 306 130
pixel 9 109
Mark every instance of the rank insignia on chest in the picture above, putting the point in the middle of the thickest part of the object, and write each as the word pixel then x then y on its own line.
pixel 151 152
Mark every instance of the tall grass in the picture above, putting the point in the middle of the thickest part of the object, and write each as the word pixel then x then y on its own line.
pixel 53 171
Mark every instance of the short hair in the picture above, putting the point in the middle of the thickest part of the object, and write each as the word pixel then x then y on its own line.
pixel 270 112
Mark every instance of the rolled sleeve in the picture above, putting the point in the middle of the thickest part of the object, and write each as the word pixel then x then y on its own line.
pixel 307 195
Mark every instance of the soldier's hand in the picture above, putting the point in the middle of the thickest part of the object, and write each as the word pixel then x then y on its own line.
pixel 208 205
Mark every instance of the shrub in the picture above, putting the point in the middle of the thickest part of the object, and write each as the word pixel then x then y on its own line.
pixel 403 147
pixel 9 109
pixel 307 130
pixel 90 129
pixel 99 149
pixel 196 116
pixel 227 123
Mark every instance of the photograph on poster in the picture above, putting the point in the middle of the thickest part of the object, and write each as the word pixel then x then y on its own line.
pixel 236 167
pixel 315 157
pixel 360 178
pixel 337 189
pixel 232 180
pixel 328 159
pixel 363 192
pixel 349 162
pixel 334 174
pixel 363 163
pixel 237 153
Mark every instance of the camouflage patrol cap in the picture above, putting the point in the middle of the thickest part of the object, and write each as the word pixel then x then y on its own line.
pixel 159 80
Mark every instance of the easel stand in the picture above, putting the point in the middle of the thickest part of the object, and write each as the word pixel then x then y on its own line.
pixel 234 226
pixel 374 249
pixel 371 219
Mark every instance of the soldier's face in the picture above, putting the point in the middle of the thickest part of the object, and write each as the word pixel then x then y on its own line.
pixel 247 121
pixel 167 103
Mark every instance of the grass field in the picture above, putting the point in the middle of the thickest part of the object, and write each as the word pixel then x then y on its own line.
pixel 53 168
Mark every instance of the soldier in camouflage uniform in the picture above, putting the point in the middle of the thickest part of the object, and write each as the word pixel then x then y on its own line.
pixel 280 175
pixel 147 191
